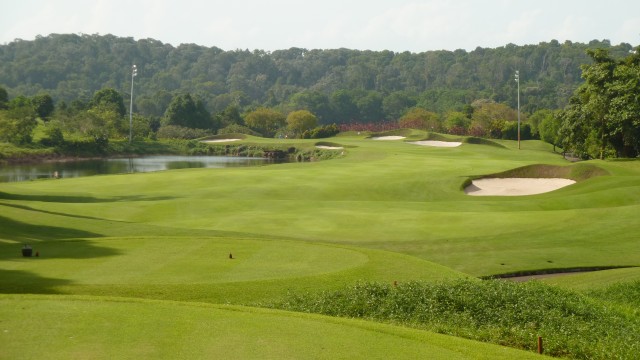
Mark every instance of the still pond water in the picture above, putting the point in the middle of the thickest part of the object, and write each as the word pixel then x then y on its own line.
pixel 69 169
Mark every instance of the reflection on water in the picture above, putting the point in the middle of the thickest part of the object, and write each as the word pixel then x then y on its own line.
pixel 69 169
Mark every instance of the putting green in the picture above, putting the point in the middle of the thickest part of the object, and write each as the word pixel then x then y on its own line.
pixel 178 260
pixel 65 327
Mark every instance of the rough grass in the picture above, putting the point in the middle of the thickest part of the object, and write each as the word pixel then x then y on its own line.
pixel 501 312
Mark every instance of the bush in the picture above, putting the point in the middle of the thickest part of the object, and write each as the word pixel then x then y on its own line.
pixel 321 132
pixel 510 131
pixel 180 132
pixel 496 311
pixel 237 129
pixel 53 136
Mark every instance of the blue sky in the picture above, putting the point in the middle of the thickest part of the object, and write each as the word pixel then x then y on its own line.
pixel 397 25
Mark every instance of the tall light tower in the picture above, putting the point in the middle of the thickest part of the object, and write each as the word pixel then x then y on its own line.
pixel 518 81
pixel 134 72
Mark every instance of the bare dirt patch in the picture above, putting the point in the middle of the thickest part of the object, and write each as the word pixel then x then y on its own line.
pixel 394 137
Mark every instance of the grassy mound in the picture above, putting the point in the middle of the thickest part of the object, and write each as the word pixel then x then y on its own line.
pixel 197 268
pixel 577 172
pixel 501 312
pixel 482 141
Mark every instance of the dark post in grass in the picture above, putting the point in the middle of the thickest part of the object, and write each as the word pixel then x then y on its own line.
pixel 540 345
pixel 27 251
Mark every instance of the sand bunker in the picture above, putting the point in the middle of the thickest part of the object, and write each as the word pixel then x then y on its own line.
pixel 388 138
pixel 329 147
pixel 437 143
pixel 514 186
pixel 220 140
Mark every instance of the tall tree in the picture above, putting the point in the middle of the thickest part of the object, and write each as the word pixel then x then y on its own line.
pixel 4 98
pixel 109 98
pixel 419 118
pixel 603 118
pixel 187 112
pixel 300 121
pixel 18 121
pixel 265 121
pixel 43 105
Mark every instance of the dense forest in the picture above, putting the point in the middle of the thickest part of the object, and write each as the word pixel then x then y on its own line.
pixel 337 85
pixel 582 98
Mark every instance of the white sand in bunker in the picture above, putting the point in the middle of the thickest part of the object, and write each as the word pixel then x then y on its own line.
pixel 220 140
pixel 437 143
pixel 329 147
pixel 388 138
pixel 515 186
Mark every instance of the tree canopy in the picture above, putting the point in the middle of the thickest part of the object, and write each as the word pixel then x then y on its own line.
pixel 337 85
pixel 300 121
pixel 186 112
pixel 603 117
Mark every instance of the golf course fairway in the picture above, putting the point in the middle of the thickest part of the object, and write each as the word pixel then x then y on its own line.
pixel 178 264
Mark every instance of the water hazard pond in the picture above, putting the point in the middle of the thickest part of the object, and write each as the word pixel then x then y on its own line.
pixel 77 168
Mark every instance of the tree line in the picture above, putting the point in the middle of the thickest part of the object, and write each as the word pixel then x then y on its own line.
pixel 192 91
pixel 338 85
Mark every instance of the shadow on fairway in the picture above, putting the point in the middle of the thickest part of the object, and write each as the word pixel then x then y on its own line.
pixel 80 199
pixel 25 282
pixel 47 240
pixel 24 232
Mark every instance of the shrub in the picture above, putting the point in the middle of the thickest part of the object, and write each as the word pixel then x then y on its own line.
pixel 237 129
pixel 180 132
pixel 321 132
pixel 497 311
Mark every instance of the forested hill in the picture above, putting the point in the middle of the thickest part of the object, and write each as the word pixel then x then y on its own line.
pixel 69 66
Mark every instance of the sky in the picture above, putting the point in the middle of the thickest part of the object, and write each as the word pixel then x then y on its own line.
pixel 396 25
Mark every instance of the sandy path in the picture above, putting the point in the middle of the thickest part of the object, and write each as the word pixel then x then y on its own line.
pixel 329 147
pixel 437 143
pixel 388 138
pixel 514 186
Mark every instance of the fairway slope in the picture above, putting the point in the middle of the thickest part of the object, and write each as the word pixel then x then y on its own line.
pixel 208 269
pixel 65 327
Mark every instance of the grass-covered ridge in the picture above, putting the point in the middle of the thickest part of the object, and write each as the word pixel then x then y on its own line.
pixel 500 312
pixel 577 172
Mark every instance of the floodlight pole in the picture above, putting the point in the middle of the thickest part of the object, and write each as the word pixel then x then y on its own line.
pixel 134 72
pixel 518 81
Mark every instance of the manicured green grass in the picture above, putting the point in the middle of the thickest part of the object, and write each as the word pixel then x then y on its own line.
pixel 199 268
pixel 383 211
pixel 387 195
pixel 62 327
